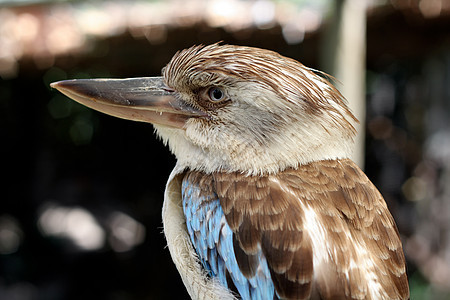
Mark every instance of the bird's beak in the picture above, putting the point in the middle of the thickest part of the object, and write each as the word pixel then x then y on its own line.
pixel 143 99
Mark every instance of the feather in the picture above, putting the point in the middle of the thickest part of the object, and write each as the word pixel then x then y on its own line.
pixel 216 245
pixel 322 229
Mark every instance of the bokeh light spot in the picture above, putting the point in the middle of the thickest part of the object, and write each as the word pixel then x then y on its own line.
pixel 74 223
pixel 10 235
pixel 126 232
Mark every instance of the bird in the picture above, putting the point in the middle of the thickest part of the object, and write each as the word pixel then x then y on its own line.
pixel 264 201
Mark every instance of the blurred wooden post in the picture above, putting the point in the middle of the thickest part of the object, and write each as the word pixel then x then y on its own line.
pixel 344 56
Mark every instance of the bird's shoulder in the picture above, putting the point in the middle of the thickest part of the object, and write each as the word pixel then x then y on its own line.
pixel 323 227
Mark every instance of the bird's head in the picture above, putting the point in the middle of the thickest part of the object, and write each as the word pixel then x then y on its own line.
pixel 231 108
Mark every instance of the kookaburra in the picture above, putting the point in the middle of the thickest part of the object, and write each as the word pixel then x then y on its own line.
pixel 264 201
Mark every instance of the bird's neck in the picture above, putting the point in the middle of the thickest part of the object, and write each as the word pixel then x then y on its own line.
pixel 255 160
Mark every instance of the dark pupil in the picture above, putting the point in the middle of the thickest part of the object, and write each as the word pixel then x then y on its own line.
pixel 217 94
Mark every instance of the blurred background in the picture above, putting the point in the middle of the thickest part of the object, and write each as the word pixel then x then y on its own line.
pixel 81 192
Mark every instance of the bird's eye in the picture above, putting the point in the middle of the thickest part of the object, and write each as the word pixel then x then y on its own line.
pixel 216 94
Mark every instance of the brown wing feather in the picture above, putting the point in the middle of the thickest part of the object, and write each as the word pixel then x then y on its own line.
pixel 364 251
pixel 271 220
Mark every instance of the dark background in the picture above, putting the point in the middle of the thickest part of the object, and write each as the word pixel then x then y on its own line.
pixel 57 154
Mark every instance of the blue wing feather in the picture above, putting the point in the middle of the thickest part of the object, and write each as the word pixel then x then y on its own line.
pixel 213 240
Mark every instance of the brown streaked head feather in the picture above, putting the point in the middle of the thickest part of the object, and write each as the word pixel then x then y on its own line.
pixel 222 65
